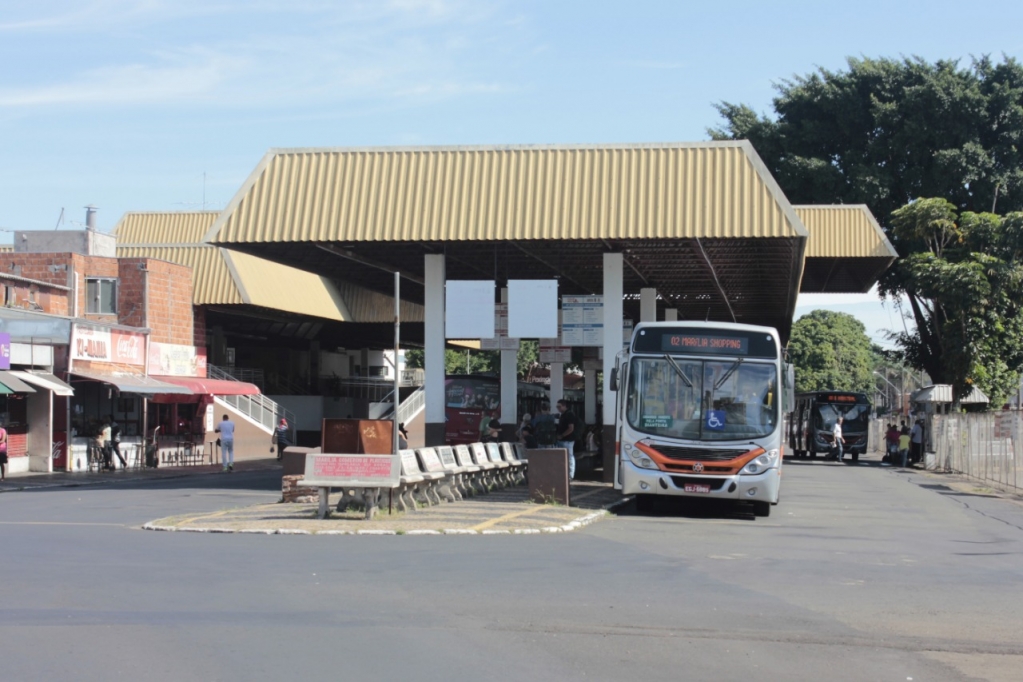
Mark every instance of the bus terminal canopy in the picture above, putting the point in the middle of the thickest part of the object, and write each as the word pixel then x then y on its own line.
pixel 704 224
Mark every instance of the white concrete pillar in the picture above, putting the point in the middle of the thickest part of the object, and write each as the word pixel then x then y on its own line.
pixel 671 315
pixel 590 396
pixel 557 383
pixel 613 293
pixel 509 381
pixel 434 267
pixel 648 304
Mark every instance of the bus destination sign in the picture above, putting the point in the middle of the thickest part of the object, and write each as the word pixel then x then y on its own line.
pixel 840 398
pixel 705 343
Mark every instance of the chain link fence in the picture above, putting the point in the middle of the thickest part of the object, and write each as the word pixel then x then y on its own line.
pixel 984 447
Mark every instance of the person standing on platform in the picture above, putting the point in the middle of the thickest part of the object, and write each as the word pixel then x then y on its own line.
pixel 3 453
pixel 568 431
pixel 226 430
pixel 545 428
pixel 916 446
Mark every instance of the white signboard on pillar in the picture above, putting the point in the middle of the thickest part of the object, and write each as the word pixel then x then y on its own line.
pixel 532 308
pixel 582 320
pixel 469 309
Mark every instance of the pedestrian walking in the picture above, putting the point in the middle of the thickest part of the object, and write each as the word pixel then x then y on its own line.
pixel 115 441
pixel 838 446
pixel 280 437
pixel 226 430
pixel 891 438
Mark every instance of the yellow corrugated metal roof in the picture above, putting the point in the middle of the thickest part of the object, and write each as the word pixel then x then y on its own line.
pixel 280 287
pixel 643 191
pixel 844 231
pixel 212 281
pixel 179 227
pixel 220 277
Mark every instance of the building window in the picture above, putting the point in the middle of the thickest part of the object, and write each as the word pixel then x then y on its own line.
pixel 101 295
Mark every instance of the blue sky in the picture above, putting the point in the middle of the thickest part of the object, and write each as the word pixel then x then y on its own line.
pixel 126 104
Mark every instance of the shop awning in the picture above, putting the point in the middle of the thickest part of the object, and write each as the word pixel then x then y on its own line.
pixel 45 380
pixel 132 383
pixel 206 386
pixel 10 383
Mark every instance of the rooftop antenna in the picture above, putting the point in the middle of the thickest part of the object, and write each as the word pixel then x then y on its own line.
pixel 60 220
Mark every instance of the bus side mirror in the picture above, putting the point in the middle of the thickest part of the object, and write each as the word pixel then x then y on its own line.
pixel 789 393
pixel 614 379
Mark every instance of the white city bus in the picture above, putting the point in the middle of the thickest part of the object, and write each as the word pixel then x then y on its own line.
pixel 700 413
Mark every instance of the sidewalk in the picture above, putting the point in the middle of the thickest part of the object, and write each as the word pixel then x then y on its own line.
pixel 62 479
pixel 507 511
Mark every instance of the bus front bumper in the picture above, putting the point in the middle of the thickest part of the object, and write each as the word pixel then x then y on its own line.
pixel 764 486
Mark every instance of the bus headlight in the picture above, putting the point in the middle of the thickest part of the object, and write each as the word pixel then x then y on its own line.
pixel 638 457
pixel 758 465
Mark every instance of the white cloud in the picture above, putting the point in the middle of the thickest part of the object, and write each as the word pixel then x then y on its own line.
pixel 399 50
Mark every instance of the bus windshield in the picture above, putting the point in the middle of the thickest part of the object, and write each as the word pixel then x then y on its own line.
pixel 707 400
pixel 855 416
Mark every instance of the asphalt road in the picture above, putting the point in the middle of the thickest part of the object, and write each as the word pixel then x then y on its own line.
pixel 861 573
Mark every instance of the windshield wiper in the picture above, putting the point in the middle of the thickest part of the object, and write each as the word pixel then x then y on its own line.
pixel 674 365
pixel 731 370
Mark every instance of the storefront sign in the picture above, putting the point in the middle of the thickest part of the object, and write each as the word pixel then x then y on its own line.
pixel 5 350
pixel 101 344
pixel 173 360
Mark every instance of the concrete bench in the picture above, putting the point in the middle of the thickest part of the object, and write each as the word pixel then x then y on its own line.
pixel 416 486
pixel 475 476
pixel 492 451
pixel 367 497
pixel 455 471
pixel 494 471
pixel 444 486
pixel 518 466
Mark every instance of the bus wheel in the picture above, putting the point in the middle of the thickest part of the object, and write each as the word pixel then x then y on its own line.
pixel 761 509
pixel 644 503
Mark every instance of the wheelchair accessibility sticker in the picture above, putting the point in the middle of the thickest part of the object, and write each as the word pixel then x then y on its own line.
pixel 715 420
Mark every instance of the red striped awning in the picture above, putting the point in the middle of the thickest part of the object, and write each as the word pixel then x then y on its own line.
pixel 207 386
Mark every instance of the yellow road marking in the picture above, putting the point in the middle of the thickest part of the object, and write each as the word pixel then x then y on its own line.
pixel 526 512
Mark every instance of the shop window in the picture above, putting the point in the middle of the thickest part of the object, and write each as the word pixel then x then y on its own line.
pixel 101 295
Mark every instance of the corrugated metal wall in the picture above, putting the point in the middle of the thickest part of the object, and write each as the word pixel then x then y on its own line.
pixel 186 227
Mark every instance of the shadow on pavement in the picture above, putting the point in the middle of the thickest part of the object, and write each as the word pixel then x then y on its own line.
pixel 686 508
pixel 257 478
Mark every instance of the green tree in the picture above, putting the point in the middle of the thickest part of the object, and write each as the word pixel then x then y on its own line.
pixel 963 279
pixel 831 351
pixel 886 131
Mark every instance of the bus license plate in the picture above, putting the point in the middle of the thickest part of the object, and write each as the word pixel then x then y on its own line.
pixel 696 488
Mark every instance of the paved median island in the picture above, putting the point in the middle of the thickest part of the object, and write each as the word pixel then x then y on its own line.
pixel 506 511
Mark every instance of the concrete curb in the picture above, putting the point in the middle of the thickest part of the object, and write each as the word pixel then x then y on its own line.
pixel 576 524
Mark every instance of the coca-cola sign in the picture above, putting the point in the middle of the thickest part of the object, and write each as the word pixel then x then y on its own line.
pixel 101 344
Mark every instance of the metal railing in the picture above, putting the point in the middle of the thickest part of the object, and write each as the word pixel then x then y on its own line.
pixel 247 374
pixel 985 447
pixel 412 405
pixel 257 407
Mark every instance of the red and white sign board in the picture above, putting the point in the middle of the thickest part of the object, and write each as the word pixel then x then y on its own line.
pixel 357 471
pixel 102 344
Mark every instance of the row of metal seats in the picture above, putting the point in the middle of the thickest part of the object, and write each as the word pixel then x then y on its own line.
pixel 429 475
